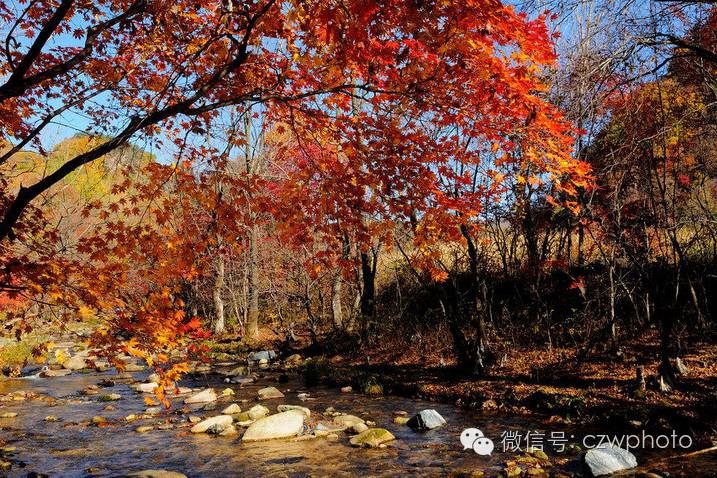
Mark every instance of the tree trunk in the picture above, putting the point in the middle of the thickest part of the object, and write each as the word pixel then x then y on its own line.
pixel 368 291
pixel 581 241
pixel 613 318
pixel 478 347
pixel 252 320
pixel 217 293
pixel 336 312
pixel 336 286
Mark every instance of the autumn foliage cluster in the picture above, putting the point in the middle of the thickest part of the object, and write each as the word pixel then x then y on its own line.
pixel 401 112
pixel 264 160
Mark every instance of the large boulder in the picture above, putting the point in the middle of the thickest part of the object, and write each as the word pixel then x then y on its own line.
pixel 269 393
pixel 215 423
pixel 426 420
pixel 282 425
pixel 606 460
pixel 372 438
pixel 205 396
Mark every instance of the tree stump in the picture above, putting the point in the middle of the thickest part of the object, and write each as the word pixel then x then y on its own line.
pixel 640 378
pixel 680 367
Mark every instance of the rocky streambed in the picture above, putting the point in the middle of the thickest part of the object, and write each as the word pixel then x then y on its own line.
pixel 230 420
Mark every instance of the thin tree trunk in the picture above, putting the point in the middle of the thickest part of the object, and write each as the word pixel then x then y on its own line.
pixel 613 319
pixel 368 291
pixel 336 312
pixel 252 320
pixel 336 286
pixel 217 293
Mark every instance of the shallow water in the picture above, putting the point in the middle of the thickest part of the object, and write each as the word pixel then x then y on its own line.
pixel 69 449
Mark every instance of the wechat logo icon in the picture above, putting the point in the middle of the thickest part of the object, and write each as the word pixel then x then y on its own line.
pixel 474 438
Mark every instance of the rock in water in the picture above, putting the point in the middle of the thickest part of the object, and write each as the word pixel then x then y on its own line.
pixel 372 438
pixel 216 424
pixel 285 408
pixel 112 397
pixel 426 420
pixel 133 367
pixel 204 396
pixel 282 425
pixel 257 411
pixel 76 362
pixel 145 387
pixel 232 409
pixel 347 421
pixel 269 393
pixel 608 459
pixel 155 474
pixel 229 431
pixel 359 427
pixel 55 373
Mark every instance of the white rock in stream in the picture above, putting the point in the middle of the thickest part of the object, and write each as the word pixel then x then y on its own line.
pixel 217 423
pixel 76 362
pixel 258 411
pixel 269 393
pixel 426 420
pixel 205 396
pixel 282 425
pixel 606 460
pixel 145 387
pixel 347 421
pixel 179 391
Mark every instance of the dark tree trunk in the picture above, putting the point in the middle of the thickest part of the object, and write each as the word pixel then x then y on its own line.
pixel 477 349
pixel 368 279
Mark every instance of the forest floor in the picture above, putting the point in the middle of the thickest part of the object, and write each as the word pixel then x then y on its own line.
pixel 592 389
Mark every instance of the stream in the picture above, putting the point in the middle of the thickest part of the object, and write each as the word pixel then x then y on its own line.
pixel 72 447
